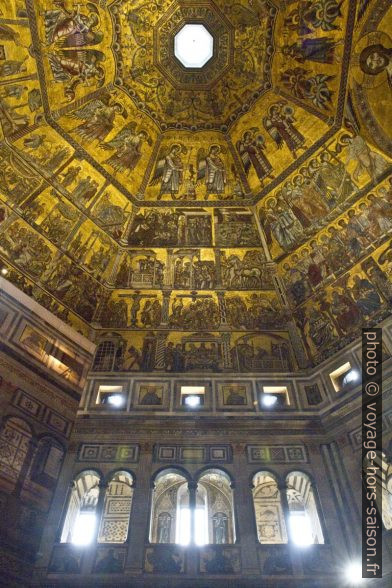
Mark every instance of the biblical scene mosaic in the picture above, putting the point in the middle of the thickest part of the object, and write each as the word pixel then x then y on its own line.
pixel 234 217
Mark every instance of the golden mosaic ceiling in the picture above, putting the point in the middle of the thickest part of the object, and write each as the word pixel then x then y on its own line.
pixel 120 96
pixel 239 211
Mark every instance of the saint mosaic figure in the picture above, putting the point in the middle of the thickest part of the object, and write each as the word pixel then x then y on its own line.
pixel 220 528
pixel 164 526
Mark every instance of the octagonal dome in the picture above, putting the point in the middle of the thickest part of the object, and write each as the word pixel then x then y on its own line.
pixel 193 46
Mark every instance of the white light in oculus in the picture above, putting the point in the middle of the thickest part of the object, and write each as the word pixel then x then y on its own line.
pixel 116 400
pixel 4 271
pixel 84 528
pixel 269 400
pixel 354 574
pixel 300 529
pixel 193 46
pixel 192 401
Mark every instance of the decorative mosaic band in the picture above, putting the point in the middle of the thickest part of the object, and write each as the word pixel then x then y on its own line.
pixel 101 452
pixel 42 413
pixel 193 454
pixel 277 454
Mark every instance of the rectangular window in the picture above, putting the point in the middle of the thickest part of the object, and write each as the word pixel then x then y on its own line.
pixel 343 377
pixel 281 394
pixel 112 396
pixel 192 396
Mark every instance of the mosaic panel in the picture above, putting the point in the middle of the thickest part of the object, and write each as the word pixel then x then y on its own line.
pixel 277 454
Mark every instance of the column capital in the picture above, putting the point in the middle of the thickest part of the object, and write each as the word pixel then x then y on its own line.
pixel 192 485
pixel 239 448
pixel 146 447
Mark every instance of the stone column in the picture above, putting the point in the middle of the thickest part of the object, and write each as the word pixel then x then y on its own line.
pixel 165 307
pixel 65 244
pixel 125 237
pixel 279 285
pixel 168 280
pixel 246 533
pixel 192 487
pixel 218 268
pixel 8 221
pixel 222 309
pixel 111 279
pixel 227 358
pixel 140 514
pixel 88 560
pixel 298 346
pixel 58 510
pixel 160 351
pixel 294 553
pixel 262 236
pixel 347 513
pixel 98 195
pixel 191 555
pixel 106 295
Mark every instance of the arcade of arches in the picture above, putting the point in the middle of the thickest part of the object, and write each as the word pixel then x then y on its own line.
pixel 195 228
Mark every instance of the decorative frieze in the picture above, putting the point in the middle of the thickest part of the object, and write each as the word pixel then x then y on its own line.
pixel 112 453
pixel 193 453
pixel 277 454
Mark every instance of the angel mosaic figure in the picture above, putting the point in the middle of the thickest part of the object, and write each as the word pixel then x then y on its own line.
pixel 169 170
pixel 98 116
pixel 211 168
pixel 279 125
pixel 74 67
pixel 127 144
pixel 251 149
pixel 71 28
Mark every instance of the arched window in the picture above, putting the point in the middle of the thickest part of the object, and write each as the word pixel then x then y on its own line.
pixel 207 511
pixel 304 521
pixel 117 509
pixel 15 437
pixel 80 522
pixel 270 520
pixel 170 514
pixel 214 513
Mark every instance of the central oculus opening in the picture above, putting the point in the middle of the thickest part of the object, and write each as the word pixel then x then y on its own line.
pixel 193 45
